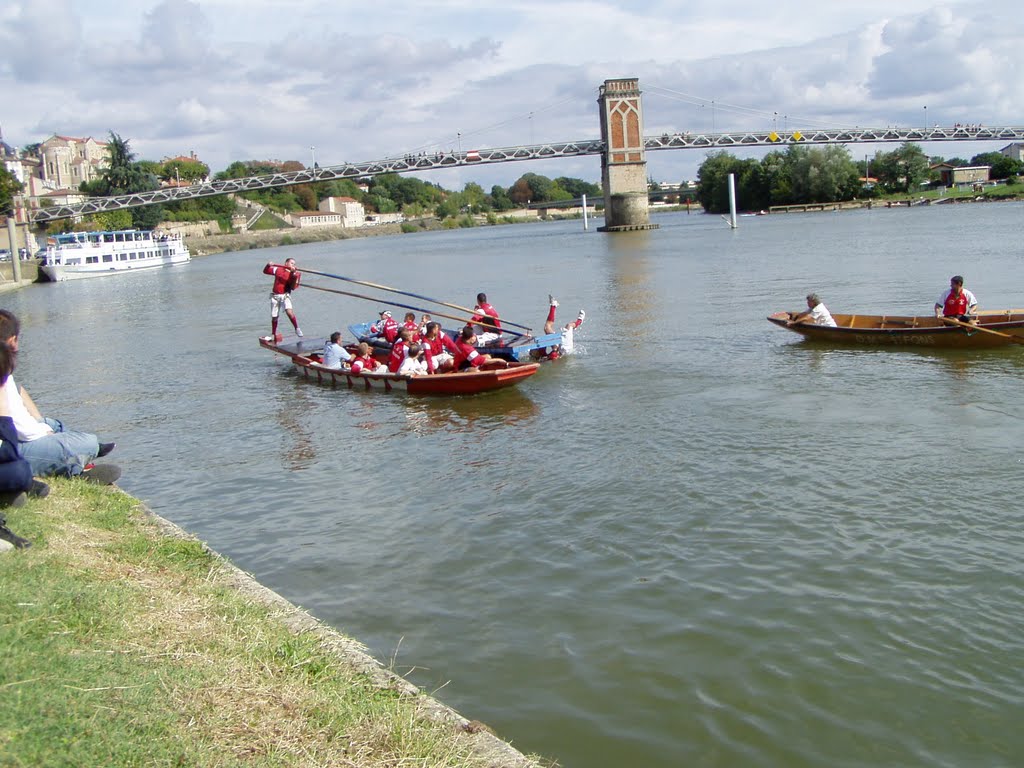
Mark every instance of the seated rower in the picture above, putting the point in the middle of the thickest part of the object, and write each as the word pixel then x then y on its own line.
pixel 817 313
pixel 364 362
pixel 438 348
pixel 411 324
pixel 386 327
pixel 334 354
pixel 487 321
pixel 399 350
pixel 414 364
pixel 466 355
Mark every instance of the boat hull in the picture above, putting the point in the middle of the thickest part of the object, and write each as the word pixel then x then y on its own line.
pixel 496 376
pixel 996 329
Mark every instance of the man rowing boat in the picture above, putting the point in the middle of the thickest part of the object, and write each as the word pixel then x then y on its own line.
pixel 957 302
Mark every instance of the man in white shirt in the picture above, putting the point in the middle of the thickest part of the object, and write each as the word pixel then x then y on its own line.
pixel 816 314
pixel 48 447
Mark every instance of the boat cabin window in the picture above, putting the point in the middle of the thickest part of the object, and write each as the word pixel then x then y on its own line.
pixel 123 257
pixel 91 260
pixel 107 257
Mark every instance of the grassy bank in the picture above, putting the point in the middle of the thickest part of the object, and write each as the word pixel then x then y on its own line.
pixel 127 643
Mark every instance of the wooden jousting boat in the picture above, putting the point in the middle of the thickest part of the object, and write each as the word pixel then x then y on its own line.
pixel 492 376
pixel 994 329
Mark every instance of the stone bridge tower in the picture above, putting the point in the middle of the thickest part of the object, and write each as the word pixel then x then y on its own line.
pixel 623 164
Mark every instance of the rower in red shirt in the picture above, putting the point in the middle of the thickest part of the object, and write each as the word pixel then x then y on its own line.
pixel 399 350
pixel 385 327
pixel 438 348
pixel 487 320
pixel 364 361
pixel 466 355
pixel 411 324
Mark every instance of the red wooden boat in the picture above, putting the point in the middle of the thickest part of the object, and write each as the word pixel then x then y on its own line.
pixel 496 375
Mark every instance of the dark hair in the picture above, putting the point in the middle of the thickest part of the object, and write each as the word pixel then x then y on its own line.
pixel 481 298
pixel 8 358
pixel 431 326
pixel 335 336
pixel 9 325
pixel 414 350
pixel 467 333
pixel 957 279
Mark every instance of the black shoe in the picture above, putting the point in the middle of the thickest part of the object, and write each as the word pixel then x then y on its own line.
pixel 6 534
pixel 101 474
pixel 105 448
pixel 39 489
pixel 12 499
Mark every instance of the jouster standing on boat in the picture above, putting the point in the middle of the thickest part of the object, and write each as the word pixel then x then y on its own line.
pixel 286 280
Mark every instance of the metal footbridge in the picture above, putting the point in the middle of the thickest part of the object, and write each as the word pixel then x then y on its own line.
pixel 551 150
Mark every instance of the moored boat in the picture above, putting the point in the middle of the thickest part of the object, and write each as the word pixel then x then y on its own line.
pixel 73 255
pixel 993 329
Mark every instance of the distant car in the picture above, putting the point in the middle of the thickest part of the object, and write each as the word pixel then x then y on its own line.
pixel 5 255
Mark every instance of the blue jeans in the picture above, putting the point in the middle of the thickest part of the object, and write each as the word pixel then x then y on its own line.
pixel 65 452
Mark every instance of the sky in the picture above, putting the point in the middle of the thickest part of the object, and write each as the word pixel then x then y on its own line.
pixel 338 81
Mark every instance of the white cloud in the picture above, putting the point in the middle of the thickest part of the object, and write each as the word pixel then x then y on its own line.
pixel 241 79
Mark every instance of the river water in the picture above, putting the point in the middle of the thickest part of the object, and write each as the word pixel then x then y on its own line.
pixel 699 541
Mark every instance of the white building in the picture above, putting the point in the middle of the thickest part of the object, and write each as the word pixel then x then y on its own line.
pixel 310 219
pixel 351 211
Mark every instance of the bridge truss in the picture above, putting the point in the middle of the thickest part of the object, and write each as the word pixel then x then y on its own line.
pixel 428 162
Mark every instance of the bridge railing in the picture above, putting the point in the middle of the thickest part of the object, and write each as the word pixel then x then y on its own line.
pixel 433 161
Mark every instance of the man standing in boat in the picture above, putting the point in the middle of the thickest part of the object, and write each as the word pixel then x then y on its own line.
pixel 957 302
pixel 817 313
pixel 286 280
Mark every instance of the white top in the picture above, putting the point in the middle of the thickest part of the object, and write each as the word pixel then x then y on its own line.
pixel 412 366
pixel 28 427
pixel 821 316
pixel 334 355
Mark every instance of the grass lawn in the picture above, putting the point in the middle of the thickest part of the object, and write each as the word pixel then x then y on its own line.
pixel 125 646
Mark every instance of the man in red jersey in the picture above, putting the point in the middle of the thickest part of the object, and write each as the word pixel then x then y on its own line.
pixel 466 355
pixel 438 348
pixel 386 327
pixel 487 320
pixel 399 350
pixel 957 302
pixel 286 280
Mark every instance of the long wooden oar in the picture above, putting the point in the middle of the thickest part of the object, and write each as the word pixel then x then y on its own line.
pixel 394 304
pixel 971 326
pixel 406 293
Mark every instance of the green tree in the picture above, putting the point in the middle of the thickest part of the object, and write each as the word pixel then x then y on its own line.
pixel 713 174
pixel 9 187
pixel 1000 166
pixel 124 176
pixel 500 200
pixel 902 169
pixel 578 187
pixel 184 170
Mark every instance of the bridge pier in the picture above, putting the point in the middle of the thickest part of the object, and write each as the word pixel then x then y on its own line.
pixel 623 162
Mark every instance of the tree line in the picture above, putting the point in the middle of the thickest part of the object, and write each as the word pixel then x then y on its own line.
pixel 387 193
pixel 828 174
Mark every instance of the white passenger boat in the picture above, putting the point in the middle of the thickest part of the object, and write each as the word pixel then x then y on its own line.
pixel 71 255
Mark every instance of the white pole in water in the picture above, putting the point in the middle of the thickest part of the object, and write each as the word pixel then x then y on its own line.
pixel 585 227
pixel 732 200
